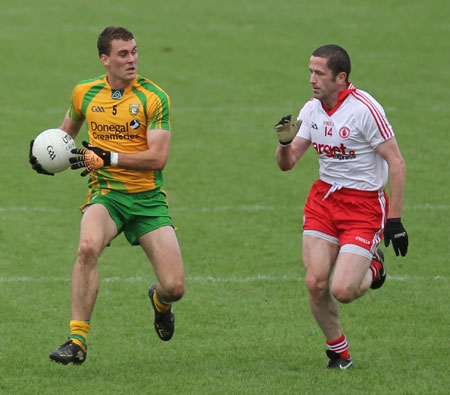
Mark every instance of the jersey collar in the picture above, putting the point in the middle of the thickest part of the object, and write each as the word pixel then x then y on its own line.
pixel 341 97
pixel 123 90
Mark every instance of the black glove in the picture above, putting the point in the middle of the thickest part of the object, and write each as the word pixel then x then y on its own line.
pixel 35 164
pixel 395 232
pixel 90 158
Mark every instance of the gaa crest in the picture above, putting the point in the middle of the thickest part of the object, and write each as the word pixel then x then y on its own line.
pixel 134 109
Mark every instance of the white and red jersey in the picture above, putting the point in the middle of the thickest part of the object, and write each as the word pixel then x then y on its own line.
pixel 345 139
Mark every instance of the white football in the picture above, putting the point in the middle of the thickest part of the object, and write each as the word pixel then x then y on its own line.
pixel 52 150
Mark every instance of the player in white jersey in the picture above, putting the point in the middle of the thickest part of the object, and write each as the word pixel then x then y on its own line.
pixel 347 209
pixel 346 140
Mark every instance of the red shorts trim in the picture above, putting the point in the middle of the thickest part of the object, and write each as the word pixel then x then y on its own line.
pixel 351 216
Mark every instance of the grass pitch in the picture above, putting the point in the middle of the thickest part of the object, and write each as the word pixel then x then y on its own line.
pixel 232 69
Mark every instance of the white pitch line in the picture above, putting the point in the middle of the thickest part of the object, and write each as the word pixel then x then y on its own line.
pixel 258 207
pixel 233 279
pixel 27 209
pixel 205 279
pixel 244 208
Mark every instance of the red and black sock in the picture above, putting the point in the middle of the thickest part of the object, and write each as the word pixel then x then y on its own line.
pixel 339 346
pixel 375 268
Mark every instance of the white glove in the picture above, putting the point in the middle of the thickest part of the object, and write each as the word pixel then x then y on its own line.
pixel 286 130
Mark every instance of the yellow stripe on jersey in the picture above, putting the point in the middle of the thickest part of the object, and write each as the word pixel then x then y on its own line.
pixel 118 121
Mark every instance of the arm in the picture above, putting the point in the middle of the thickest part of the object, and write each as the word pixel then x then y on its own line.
pixel 154 158
pixel 289 155
pixel 397 172
pixel 394 230
pixel 70 126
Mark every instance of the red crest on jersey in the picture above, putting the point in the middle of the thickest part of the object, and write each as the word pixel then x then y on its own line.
pixel 344 132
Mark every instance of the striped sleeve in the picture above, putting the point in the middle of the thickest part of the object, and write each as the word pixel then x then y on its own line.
pixel 75 105
pixel 375 123
pixel 82 94
pixel 158 105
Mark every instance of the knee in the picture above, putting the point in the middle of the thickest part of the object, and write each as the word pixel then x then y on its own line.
pixel 175 290
pixel 317 287
pixel 88 252
pixel 343 294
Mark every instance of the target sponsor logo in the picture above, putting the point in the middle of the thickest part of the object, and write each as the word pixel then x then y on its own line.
pixel 336 152
pixel 329 150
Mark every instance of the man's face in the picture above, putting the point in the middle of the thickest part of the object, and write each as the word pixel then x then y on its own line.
pixel 323 83
pixel 121 64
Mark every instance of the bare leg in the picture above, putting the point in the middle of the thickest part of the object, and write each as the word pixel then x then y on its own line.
pixel 161 247
pixel 96 231
pixel 351 277
pixel 319 256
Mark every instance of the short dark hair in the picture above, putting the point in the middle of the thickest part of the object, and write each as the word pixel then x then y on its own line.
pixel 112 33
pixel 338 59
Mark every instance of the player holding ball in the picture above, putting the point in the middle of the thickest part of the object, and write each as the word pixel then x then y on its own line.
pixel 128 119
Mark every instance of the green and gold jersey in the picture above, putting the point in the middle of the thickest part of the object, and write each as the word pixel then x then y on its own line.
pixel 118 121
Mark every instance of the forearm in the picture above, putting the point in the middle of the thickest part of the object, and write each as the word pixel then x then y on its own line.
pixel 397 175
pixel 70 126
pixel 289 155
pixel 154 158
pixel 285 158
pixel 143 161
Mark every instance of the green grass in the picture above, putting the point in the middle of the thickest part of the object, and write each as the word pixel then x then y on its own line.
pixel 232 69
